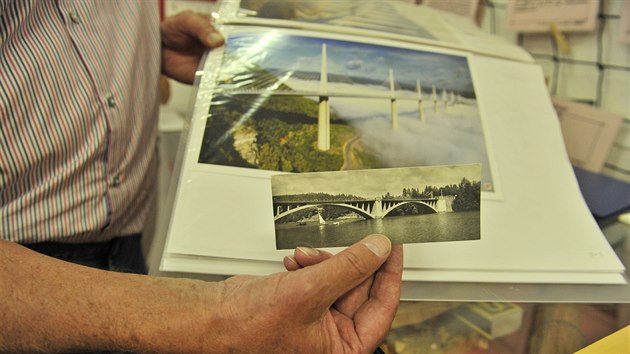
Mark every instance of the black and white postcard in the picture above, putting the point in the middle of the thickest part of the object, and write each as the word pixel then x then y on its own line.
pixel 409 205
pixel 306 103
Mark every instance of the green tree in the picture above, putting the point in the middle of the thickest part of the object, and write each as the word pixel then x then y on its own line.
pixel 468 196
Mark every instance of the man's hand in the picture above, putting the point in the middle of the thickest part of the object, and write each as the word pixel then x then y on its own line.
pixel 328 304
pixel 185 37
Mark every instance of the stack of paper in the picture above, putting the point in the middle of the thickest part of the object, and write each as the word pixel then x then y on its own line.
pixel 458 96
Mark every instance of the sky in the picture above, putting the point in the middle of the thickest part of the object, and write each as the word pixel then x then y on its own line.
pixel 373 183
pixel 275 50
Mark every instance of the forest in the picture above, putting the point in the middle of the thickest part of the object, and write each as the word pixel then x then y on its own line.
pixel 467 196
pixel 285 135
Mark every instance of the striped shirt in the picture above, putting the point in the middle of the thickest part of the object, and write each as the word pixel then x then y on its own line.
pixel 78 118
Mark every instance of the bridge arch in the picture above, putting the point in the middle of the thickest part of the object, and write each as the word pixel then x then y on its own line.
pixel 424 206
pixel 359 211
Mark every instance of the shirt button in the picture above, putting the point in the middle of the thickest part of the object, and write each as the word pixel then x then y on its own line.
pixel 116 181
pixel 111 101
pixel 74 17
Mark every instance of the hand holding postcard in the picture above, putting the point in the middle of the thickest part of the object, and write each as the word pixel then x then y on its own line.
pixel 409 205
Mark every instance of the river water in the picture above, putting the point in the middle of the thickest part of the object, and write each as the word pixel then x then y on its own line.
pixel 400 229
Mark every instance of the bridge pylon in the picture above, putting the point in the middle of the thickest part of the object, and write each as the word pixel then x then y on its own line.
pixel 323 115
pixel 323 124
pixel 420 104
pixel 444 203
pixel 394 109
pixel 377 209
pixel 445 98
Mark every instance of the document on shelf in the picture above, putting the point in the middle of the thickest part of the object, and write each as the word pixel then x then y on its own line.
pixel 589 133
pixel 540 15
pixel 624 24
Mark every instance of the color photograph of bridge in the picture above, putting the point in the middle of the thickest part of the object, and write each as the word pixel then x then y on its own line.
pixel 410 205
pixel 298 103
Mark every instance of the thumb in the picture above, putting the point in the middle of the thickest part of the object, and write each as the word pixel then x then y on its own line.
pixel 191 24
pixel 347 269
pixel 201 26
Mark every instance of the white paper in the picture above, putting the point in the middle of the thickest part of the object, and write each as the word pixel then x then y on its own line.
pixel 228 267
pixel 465 8
pixel 538 230
pixel 541 225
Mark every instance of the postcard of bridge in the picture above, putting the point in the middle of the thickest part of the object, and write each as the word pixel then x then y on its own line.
pixel 299 101
pixel 409 205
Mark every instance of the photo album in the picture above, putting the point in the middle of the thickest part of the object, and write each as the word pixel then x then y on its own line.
pixel 321 122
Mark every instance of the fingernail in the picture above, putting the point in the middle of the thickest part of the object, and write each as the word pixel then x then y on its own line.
pixel 308 251
pixel 379 244
pixel 290 259
pixel 215 37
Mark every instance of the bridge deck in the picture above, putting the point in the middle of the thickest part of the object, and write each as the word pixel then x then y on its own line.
pixel 384 95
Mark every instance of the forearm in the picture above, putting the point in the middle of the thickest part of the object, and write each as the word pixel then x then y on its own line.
pixel 50 305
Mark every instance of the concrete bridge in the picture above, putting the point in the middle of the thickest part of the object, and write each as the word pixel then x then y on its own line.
pixel 324 94
pixel 370 208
